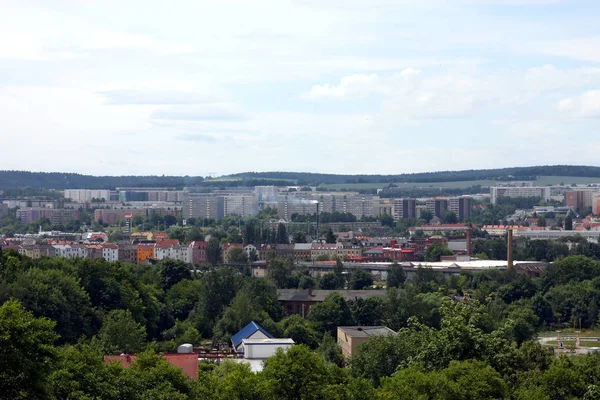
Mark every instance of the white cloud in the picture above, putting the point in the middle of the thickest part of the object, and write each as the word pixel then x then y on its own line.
pixel 585 105
pixel 584 48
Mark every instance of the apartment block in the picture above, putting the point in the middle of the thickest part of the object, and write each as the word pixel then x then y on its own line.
pixel 265 194
pixel 111 216
pixel 437 206
pixel 519 191
pixel 151 194
pixel 3 210
pixel 244 206
pixel 581 197
pixel 461 206
pixel 204 206
pixel 83 195
pixel 404 208
pixel 56 216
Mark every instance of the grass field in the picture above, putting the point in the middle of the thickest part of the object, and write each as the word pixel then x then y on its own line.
pixel 571 343
pixel 571 332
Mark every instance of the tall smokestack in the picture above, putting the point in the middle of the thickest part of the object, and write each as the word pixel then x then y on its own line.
pixel 509 249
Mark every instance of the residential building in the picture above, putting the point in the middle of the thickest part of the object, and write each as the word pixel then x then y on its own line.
pixel 544 192
pixel 3 210
pixel 285 251
pixel 404 208
pixel 242 205
pixel 128 253
pixel 227 247
pixel 83 195
pixel 30 251
pixel 197 253
pixel 112 216
pixel 56 216
pixel 110 252
pixel 265 194
pixel 251 331
pixel 596 206
pixel 250 250
pixel 461 206
pixel 94 251
pixel 299 301
pixel 323 249
pixel 261 349
pixel 437 206
pixel 302 251
pixel 350 337
pixel 204 206
pixel 145 252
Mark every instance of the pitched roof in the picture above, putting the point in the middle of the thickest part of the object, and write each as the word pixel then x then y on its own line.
pixel 246 332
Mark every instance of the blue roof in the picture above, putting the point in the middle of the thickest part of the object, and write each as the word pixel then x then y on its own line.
pixel 248 331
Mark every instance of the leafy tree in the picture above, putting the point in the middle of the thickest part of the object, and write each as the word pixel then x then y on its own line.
pixel 330 236
pixel 427 215
pixel 395 275
pixel 237 381
pixel 541 221
pixel 450 217
pixel 57 296
pixel 280 272
pixel 330 350
pixel 368 312
pixel 299 237
pixel 461 380
pixel 120 332
pixel 435 251
pixel 237 255
pixel 301 330
pixel 182 297
pixel 331 281
pixel 360 279
pixel 282 235
pixel 26 352
pixel 568 223
pixel 173 272
pixel 296 373
pixel 213 251
pixel 331 313
pixel 194 234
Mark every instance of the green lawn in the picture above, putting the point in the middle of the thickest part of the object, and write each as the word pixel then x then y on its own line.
pixel 571 332
pixel 571 343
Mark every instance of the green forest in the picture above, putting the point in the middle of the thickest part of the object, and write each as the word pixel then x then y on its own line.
pixel 470 336
pixel 56 180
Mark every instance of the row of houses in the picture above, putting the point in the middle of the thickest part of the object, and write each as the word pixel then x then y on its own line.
pixel 193 253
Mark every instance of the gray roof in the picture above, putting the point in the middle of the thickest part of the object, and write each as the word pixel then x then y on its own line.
pixel 366 331
pixel 303 246
pixel 319 295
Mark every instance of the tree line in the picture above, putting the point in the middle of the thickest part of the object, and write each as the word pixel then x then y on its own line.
pixel 467 336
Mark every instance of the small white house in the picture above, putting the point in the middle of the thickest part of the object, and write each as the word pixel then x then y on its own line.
pixel 264 348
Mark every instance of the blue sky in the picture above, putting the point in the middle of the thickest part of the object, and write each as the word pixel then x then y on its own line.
pixel 210 88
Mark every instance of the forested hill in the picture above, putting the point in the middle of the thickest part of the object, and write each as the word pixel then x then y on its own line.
pixel 498 174
pixel 57 180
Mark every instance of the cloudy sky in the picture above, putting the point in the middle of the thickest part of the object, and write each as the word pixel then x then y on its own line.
pixel 342 86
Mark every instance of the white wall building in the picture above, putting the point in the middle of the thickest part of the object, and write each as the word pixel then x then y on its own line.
pixel 520 191
pixel 264 348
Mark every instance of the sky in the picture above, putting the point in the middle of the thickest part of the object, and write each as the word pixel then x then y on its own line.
pixel 334 86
